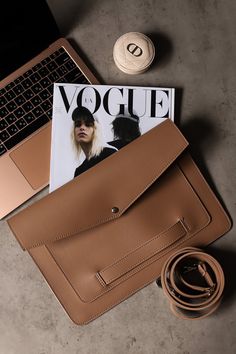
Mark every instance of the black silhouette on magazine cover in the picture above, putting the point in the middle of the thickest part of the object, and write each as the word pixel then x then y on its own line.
pixel 125 130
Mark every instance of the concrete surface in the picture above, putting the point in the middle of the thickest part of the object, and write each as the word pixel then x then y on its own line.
pixel 196 53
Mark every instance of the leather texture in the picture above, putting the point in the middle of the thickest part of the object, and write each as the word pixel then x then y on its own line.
pixel 107 233
pixel 193 282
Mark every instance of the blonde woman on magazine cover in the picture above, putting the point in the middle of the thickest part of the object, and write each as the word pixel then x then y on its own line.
pixel 87 138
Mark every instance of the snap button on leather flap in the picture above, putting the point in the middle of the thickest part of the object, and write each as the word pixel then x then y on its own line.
pixel 102 193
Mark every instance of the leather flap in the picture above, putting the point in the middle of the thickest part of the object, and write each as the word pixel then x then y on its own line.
pixel 102 193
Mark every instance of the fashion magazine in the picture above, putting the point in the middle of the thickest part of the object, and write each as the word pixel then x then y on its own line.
pixel 91 122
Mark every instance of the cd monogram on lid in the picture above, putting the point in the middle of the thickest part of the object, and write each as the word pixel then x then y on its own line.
pixel 133 53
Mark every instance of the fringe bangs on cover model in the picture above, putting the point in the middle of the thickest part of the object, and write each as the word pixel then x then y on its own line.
pixel 97 142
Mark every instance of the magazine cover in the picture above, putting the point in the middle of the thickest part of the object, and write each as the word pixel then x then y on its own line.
pixel 91 122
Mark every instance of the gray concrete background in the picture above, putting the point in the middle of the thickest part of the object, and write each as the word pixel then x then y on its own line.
pixel 196 53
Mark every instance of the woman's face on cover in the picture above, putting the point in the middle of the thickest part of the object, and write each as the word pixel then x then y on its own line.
pixel 84 132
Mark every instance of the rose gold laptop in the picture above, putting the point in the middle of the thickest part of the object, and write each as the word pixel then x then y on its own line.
pixel 26 98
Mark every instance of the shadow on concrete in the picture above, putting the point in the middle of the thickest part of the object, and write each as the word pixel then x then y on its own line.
pixel 178 105
pixel 202 136
pixel 68 17
pixel 85 59
pixel 163 48
pixel 227 259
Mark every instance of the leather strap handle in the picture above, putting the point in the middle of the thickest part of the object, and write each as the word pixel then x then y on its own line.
pixel 193 281
pixel 142 253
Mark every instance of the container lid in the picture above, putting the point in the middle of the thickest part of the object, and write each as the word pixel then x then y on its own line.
pixel 133 52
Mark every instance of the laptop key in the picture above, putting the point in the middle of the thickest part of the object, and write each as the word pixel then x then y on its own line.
pixel 45 61
pixel 43 72
pixel 28 130
pixel 49 113
pixel 3 124
pixel 37 67
pixel 57 52
pixel 2 101
pixel 26 83
pixel 62 70
pixel 37 88
pixel 46 105
pixel 10 95
pixel 83 81
pixel 29 117
pixel 53 55
pixel 45 82
pixel 28 73
pixel 44 94
pixel 20 100
pixel 21 123
pixel 10 86
pixel 28 94
pixel 18 89
pixel 11 106
pixel 11 118
pixel 2 149
pixel 62 58
pixel 35 78
pixel 53 76
pixel 3 112
pixel 19 112
pixel 12 129
pixel 4 135
pixel 28 106
pixel 50 89
pixel 75 74
pixel 70 64
pixel 18 80
pixel 37 111
pixel 36 100
pixel 51 66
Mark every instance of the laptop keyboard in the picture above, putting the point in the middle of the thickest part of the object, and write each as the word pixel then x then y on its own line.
pixel 26 103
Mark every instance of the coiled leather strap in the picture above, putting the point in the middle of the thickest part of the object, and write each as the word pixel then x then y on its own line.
pixel 193 281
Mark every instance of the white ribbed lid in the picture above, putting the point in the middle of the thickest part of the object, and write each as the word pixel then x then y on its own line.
pixel 133 53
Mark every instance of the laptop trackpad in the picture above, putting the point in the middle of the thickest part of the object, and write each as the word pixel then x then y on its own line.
pixel 33 158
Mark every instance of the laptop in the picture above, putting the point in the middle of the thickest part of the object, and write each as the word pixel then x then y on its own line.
pixel 32 57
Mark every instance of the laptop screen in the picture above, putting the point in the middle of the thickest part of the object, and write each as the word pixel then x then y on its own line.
pixel 26 28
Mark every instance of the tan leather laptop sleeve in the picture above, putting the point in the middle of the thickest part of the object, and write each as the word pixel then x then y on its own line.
pixel 106 234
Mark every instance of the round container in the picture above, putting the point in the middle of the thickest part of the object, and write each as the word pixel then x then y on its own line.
pixel 133 53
